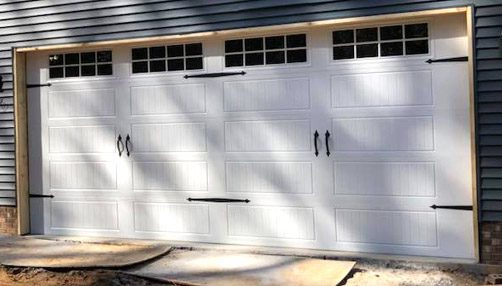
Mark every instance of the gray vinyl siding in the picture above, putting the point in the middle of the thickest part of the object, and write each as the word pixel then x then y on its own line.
pixel 489 99
pixel 45 22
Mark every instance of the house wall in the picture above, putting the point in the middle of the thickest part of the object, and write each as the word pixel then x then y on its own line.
pixel 488 41
pixel 8 220
pixel 491 243
pixel 45 22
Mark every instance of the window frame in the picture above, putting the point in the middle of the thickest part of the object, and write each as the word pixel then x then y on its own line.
pixel 264 50
pixel 403 56
pixel 96 76
pixel 166 58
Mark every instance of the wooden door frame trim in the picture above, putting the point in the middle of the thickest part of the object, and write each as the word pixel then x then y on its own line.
pixel 21 142
pixel 469 15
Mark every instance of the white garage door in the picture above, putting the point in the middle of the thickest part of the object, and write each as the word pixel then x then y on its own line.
pixel 130 147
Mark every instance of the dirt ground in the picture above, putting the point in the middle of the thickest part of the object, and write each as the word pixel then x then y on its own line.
pixel 364 274
pixel 41 277
pixel 397 274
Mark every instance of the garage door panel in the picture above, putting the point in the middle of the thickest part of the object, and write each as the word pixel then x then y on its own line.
pixel 267 95
pixel 399 143
pixel 89 215
pixel 82 139
pixel 170 176
pixel 171 217
pixel 273 222
pixel 168 99
pixel 83 175
pixel 384 134
pixel 387 227
pixel 381 89
pixel 409 179
pixel 382 203
pixel 269 177
pixel 267 136
pixel 172 137
pixel 82 103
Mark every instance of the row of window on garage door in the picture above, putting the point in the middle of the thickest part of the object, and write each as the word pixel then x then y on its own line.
pixel 367 42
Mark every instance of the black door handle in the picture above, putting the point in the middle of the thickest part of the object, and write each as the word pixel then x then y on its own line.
pixel 128 140
pixel 120 144
pixel 327 144
pixel 316 136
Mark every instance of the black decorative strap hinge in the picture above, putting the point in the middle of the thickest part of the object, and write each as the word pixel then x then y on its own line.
pixel 41 196
pixel 460 208
pixel 216 74
pixel 457 59
pixel 37 85
pixel 218 200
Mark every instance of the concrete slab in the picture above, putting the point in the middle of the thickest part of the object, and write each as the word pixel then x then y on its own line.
pixel 32 252
pixel 210 267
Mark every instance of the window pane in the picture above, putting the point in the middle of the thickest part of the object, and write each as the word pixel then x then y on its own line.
pixel 139 67
pixel 417 47
pixel 72 71
pixel 71 59
pixel 104 56
pixel 254 44
pixel 55 72
pixel 391 49
pixel 56 60
pixel 175 65
pixel 343 37
pixel 193 49
pixel 105 69
pixel 416 31
pixel 140 54
pixel 344 52
pixel 391 33
pixel 367 35
pixel 234 60
pixel 158 66
pixel 87 58
pixel 275 57
pixel 274 42
pixel 295 41
pixel 254 59
pixel 175 51
pixel 194 63
pixel 365 51
pixel 89 70
pixel 233 46
pixel 297 56
pixel 157 52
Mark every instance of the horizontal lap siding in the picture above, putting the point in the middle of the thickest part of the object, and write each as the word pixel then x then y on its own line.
pixel 44 22
pixel 489 94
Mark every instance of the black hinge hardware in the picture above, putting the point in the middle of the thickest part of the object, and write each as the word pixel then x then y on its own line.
pixel 458 59
pixel 37 85
pixel 218 200
pixel 460 208
pixel 41 196
pixel 216 74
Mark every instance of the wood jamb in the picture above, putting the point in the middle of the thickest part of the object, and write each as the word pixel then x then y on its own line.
pixel 21 142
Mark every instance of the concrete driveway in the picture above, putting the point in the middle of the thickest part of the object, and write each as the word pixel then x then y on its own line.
pixel 48 253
